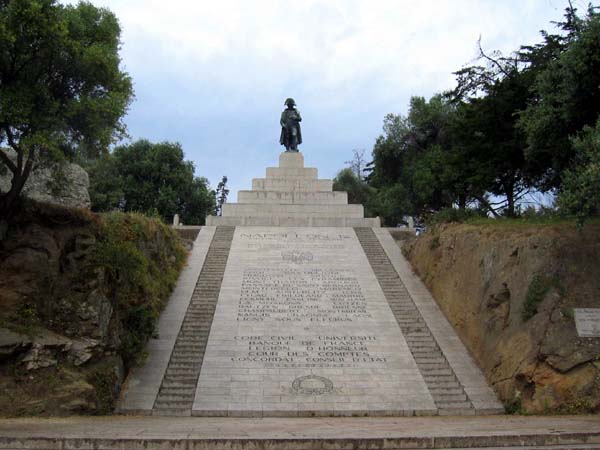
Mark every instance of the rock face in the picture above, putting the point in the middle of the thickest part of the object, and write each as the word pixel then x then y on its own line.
pixel 63 184
pixel 55 322
pixel 510 294
pixel 62 324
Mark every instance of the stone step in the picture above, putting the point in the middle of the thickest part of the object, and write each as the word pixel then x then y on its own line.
pixel 436 372
pixel 169 391
pixel 179 384
pixel 333 197
pixel 446 398
pixel 431 366
pixel 467 411
pixel 166 412
pixel 438 381
pixel 190 381
pixel 432 355
pixel 449 387
pixel 453 405
pixel 184 365
pixel 178 433
pixel 187 358
pixel 171 398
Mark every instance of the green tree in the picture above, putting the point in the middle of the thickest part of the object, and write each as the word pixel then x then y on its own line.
pixel 61 87
pixel 149 177
pixel 489 143
pixel 221 195
pixel 358 191
pixel 566 95
pixel 580 192
pixel 106 184
pixel 409 159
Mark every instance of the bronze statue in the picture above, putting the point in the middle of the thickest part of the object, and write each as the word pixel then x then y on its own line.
pixel 291 135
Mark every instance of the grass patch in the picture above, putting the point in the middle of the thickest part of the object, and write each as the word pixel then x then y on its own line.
pixel 521 222
pixel 538 288
pixel 434 243
pixel 515 406
pixel 141 258
pixel 104 380
pixel 454 215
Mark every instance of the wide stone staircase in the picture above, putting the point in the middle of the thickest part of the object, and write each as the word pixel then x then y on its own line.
pixel 178 388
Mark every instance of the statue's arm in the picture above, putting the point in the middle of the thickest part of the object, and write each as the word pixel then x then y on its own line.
pixel 299 116
pixel 282 120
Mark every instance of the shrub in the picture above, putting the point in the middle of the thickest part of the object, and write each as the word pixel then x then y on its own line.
pixel 141 258
pixel 538 288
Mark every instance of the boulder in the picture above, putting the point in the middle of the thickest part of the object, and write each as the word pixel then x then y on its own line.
pixel 12 343
pixel 82 350
pixel 95 314
pixel 45 350
pixel 64 184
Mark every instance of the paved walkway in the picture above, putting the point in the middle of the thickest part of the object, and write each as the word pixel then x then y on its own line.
pixel 306 433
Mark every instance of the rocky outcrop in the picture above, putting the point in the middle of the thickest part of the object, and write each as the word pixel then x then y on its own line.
pixel 71 323
pixel 64 184
pixel 510 292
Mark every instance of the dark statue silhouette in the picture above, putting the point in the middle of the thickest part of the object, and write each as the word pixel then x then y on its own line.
pixel 291 134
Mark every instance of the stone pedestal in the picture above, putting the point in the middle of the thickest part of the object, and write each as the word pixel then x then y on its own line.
pixel 293 195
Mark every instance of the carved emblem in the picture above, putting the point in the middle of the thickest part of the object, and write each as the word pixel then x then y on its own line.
pixel 312 385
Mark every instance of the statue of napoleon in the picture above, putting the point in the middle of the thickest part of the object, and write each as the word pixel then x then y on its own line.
pixel 291 135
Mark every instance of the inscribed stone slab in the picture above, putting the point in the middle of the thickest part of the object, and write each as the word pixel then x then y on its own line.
pixel 302 328
pixel 587 321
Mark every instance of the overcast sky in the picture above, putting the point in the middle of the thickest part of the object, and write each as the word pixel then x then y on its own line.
pixel 213 75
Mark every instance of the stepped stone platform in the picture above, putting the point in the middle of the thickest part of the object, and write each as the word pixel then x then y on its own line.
pixel 292 195
pixel 367 433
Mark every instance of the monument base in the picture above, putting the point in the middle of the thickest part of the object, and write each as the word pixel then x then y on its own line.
pixel 292 195
pixel 275 221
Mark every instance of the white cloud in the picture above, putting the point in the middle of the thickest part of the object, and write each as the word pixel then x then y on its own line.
pixel 214 74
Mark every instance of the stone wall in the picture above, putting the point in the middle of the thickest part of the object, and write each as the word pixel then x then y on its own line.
pixel 64 184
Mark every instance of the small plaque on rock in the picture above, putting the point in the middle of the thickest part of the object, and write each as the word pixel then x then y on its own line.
pixel 587 321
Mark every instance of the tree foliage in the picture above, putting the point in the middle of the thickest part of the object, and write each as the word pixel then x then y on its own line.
pixel 149 178
pixel 358 191
pixel 580 193
pixel 409 159
pixel 61 88
pixel 566 98
pixel 221 195
pixel 513 124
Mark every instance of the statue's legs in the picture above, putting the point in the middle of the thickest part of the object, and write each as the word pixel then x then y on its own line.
pixel 294 139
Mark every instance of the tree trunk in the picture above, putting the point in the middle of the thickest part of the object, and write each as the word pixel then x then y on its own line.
pixel 510 199
pixel 485 203
pixel 462 201
pixel 8 200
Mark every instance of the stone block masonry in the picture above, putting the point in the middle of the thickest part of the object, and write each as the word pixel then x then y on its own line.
pixel 292 195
